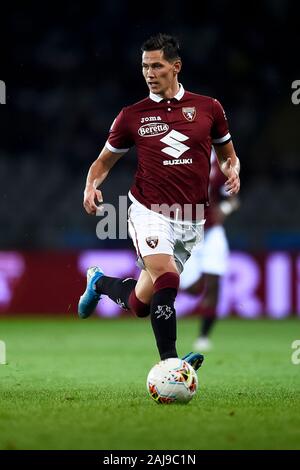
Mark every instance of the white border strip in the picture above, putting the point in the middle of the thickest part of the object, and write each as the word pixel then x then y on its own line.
pixel 113 149
pixel 222 139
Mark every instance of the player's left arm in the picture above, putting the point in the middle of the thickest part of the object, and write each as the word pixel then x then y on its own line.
pixel 230 166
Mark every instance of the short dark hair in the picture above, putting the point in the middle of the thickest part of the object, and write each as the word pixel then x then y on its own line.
pixel 168 44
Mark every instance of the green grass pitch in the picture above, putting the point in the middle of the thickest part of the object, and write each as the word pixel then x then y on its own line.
pixel 73 384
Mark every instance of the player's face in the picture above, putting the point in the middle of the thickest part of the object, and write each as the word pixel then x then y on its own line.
pixel 160 75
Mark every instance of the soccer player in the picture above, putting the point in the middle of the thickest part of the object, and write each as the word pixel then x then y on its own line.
pixel 173 131
pixel 208 262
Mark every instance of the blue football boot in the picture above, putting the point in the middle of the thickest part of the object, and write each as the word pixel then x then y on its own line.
pixel 90 298
pixel 194 359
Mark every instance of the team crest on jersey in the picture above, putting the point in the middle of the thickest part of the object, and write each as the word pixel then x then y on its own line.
pixel 189 113
pixel 152 242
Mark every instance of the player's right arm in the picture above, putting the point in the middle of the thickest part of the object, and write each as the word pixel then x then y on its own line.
pixel 118 143
pixel 97 173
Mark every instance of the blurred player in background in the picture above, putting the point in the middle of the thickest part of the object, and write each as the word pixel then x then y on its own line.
pixel 173 131
pixel 208 262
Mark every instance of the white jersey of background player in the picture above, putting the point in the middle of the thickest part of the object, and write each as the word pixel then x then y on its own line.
pixel 208 261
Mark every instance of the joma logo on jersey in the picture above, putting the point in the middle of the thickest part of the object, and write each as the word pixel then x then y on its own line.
pixel 152 129
pixel 150 119
pixel 175 148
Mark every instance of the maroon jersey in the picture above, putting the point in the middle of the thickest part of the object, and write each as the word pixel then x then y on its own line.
pixel 216 190
pixel 173 138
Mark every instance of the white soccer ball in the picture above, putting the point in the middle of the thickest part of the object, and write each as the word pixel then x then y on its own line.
pixel 172 381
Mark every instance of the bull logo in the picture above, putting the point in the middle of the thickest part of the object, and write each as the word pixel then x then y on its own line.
pixel 189 113
pixel 152 242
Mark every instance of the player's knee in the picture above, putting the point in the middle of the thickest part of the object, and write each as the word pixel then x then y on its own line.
pixel 197 288
pixel 211 298
pixel 212 289
pixel 158 265
pixel 209 302
pixel 213 294
pixel 139 308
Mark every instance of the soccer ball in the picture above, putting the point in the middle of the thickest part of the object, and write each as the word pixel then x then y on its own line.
pixel 172 381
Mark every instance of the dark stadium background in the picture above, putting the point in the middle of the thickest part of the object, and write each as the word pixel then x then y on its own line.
pixel 68 71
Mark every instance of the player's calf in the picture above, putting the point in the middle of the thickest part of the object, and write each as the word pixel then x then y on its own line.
pixel 117 289
pixel 163 315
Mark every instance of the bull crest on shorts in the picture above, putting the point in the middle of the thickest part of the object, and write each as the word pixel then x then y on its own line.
pixel 152 242
pixel 189 113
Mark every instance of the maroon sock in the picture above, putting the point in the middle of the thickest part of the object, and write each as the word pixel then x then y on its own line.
pixel 137 306
pixel 163 315
pixel 117 289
